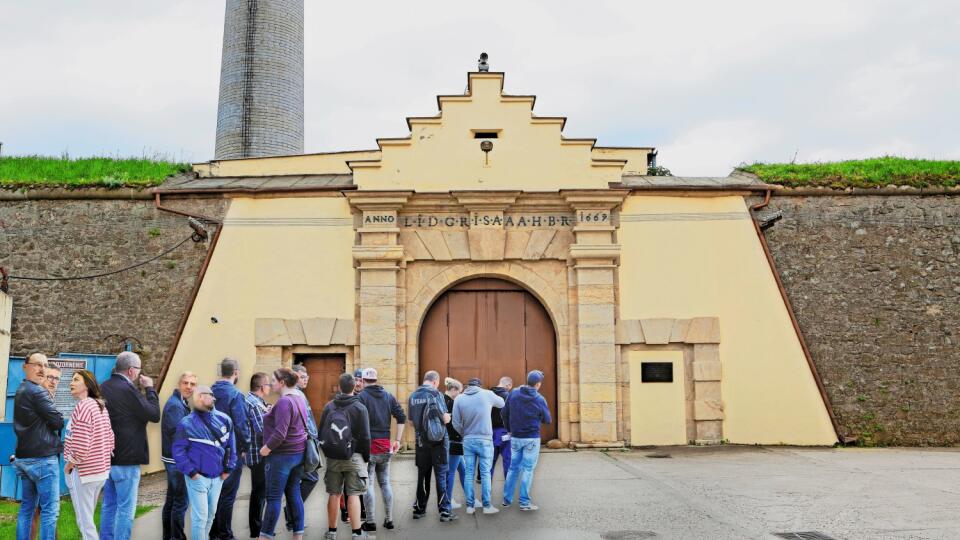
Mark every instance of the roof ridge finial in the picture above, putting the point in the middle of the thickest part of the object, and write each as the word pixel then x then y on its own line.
pixel 482 65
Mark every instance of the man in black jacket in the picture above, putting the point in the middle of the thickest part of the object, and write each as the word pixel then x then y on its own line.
pixel 346 458
pixel 501 437
pixel 381 407
pixel 37 425
pixel 176 503
pixel 130 410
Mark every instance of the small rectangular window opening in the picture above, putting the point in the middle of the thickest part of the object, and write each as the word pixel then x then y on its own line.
pixel 485 134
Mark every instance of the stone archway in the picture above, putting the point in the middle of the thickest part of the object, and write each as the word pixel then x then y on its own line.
pixel 546 282
pixel 491 328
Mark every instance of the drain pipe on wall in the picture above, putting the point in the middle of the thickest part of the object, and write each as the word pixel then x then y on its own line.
pixel 196 286
pixel 793 318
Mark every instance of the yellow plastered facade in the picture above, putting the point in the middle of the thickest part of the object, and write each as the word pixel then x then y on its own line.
pixel 684 264
pixel 285 258
pixel 327 163
pixel 625 276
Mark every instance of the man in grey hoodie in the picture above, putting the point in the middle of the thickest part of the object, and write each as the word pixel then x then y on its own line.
pixel 471 418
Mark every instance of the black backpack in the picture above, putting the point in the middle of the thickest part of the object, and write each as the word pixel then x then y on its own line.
pixel 336 438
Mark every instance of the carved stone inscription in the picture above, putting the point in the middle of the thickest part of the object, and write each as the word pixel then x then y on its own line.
pixel 509 221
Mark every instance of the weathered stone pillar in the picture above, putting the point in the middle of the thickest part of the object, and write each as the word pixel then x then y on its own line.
pixel 378 256
pixel 595 255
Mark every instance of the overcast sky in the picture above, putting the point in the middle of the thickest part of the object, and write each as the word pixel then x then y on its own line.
pixel 710 84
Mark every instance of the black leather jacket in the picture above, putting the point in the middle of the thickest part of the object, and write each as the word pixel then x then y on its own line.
pixel 36 422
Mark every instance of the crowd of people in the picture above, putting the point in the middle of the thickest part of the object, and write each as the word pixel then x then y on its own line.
pixel 210 434
pixel 103 448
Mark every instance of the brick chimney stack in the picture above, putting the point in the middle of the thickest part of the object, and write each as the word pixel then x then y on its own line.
pixel 260 112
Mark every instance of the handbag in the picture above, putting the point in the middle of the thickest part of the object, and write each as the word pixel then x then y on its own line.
pixel 312 456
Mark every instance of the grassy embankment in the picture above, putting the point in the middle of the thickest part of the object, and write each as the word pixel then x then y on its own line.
pixel 40 171
pixel 861 173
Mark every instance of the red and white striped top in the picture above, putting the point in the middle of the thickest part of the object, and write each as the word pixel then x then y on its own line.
pixel 89 443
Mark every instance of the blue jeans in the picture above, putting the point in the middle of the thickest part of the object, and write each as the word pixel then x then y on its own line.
pixel 455 467
pixel 501 448
pixel 282 473
pixel 223 520
pixel 41 485
pixel 119 502
pixel 203 494
pixel 174 505
pixel 475 450
pixel 526 453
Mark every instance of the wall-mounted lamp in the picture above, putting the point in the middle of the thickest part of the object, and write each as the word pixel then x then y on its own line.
pixel 486 146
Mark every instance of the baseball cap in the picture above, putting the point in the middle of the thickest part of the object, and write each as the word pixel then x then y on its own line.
pixel 474 382
pixel 369 374
pixel 534 377
pixel 358 373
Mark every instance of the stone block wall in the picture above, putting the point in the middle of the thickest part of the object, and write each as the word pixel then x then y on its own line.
pixel 874 281
pixel 875 284
pixel 76 237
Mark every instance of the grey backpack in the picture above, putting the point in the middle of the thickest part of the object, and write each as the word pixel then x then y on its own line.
pixel 431 421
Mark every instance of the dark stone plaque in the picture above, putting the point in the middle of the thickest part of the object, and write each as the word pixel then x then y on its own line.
pixel 656 372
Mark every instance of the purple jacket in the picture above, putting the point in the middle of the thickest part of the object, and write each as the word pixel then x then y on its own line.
pixel 283 430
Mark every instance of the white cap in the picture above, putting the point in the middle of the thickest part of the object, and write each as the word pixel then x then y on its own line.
pixel 369 374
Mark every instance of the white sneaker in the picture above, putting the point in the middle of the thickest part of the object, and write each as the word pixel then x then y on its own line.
pixel 489 510
pixel 471 510
pixel 454 504
pixel 477 503
pixel 530 508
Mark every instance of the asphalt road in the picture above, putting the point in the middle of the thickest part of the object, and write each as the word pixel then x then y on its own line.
pixel 726 492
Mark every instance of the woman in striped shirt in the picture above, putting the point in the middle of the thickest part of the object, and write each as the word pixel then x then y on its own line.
pixel 87 450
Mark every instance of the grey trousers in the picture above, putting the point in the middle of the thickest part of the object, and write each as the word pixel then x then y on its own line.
pixel 380 466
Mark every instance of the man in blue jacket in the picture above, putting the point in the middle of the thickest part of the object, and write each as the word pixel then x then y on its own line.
pixel 232 403
pixel 175 504
pixel 522 415
pixel 204 450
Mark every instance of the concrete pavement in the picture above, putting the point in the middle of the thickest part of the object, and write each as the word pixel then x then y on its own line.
pixel 725 492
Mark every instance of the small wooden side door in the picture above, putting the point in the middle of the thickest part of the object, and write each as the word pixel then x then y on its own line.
pixel 324 371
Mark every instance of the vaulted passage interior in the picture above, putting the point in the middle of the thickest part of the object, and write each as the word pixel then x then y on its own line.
pixel 489 328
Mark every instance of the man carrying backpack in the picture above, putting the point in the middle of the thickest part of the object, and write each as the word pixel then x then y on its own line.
pixel 345 440
pixel 428 413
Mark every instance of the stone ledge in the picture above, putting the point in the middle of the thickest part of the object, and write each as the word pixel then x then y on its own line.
pixel 314 331
pixel 698 330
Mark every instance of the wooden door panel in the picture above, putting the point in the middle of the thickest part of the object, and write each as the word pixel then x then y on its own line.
pixel 489 328
pixel 324 371
pixel 462 330
pixel 434 339
pixel 506 336
pixel 541 353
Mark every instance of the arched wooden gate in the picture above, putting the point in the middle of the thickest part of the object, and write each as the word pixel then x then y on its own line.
pixel 489 328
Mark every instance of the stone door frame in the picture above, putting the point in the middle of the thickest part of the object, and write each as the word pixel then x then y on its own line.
pixel 570 266
pixel 426 287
